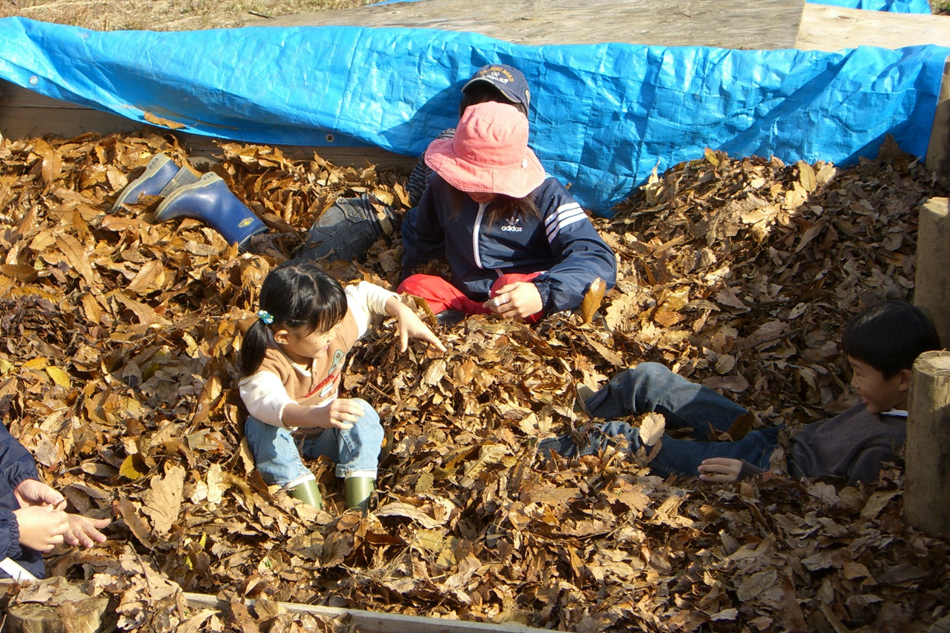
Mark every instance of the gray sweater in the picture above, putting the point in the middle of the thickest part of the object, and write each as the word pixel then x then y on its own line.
pixel 852 444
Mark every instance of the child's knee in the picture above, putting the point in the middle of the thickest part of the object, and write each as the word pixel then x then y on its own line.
pixel 649 371
pixel 370 426
pixel 368 411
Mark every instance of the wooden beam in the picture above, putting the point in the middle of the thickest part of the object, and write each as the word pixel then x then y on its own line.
pixel 377 622
pixel 365 621
pixel 938 148
pixel 932 281
pixel 78 617
pixel 927 477
pixel 26 114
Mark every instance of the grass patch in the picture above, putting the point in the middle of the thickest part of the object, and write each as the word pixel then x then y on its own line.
pixel 164 15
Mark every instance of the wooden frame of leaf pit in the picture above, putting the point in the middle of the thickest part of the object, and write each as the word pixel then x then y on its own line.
pixel 47 618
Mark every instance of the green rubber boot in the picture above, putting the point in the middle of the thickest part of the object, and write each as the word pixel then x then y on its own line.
pixel 309 493
pixel 358 491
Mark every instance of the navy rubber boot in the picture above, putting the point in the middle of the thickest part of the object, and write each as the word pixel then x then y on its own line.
pixel 346 230
pixel 158 173
pixel 210 201
pixel 185 176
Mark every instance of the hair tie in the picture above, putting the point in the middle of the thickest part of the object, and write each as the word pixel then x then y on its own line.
pixel 265 316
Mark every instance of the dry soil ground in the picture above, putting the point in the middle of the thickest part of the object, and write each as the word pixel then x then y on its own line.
pixel 162 15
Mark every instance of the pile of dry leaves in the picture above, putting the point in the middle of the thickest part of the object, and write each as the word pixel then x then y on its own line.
pixel 119 362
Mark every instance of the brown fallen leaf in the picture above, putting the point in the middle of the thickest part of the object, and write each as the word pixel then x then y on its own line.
pixel 157 120
pixel 592 300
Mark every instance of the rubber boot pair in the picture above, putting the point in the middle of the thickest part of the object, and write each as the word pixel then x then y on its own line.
pixel 357 492
pixel 187 196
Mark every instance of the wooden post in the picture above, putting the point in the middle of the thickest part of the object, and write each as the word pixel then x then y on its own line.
pixel 937 159
pixel 79 617
pixel 932 283
pixel 927 480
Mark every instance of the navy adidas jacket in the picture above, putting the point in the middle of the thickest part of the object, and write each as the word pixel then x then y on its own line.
pixel 16 466
pixel 562 243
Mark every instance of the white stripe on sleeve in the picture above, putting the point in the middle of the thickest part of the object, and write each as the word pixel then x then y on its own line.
pixel 565 215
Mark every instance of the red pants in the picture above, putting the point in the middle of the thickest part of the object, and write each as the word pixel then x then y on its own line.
pixel 441 295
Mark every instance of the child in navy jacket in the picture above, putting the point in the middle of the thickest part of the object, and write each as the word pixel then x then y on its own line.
pixel 517 242
pixel 32 520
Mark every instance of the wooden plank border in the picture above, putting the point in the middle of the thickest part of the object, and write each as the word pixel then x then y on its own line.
pixel 365 621
pixel 377 622
pixel 26 114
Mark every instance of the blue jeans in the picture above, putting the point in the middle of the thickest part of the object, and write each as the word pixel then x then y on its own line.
pixel 277 457
pixel 685 405
pixel 346 230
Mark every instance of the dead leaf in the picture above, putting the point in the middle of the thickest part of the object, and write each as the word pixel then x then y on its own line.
pixel 162 502
pixel 157 120
pixel 592 300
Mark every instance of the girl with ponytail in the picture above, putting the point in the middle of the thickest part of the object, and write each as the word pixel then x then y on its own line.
pixel 292 361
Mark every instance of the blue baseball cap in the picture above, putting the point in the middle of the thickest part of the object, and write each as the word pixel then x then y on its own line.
pixel 509 81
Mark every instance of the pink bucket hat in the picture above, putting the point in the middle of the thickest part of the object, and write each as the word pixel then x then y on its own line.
pixel 489 153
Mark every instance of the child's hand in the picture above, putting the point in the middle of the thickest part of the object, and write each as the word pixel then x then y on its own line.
pixel 84 531
pixel 410 325
pixel 720 469
pixel 516 301
pixel 32 492
pixel 343 414
pixel 41 527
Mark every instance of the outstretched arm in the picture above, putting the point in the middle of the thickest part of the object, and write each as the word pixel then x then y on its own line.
pixel 367 300
pixel 724 469
pixel 720 469
pixel 410 325
pixel 85 531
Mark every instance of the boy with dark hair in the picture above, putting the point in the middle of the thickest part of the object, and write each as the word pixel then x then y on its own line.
pixel 881 344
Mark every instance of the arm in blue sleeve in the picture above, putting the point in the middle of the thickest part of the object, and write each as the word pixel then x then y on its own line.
pixel 423 239
pixel 9 535
pixel 16 463
pixel 583 254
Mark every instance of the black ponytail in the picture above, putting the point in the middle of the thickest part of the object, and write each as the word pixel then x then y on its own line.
pixel 297 295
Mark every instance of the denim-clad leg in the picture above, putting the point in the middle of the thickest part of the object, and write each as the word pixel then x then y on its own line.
pixel 653 387
pixel 345 231
pixel 354 451
pixel 277 456
pixel 275 453
pixel 679 457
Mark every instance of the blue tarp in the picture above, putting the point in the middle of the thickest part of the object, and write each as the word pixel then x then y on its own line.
pixel 602 115
pixel 892 6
